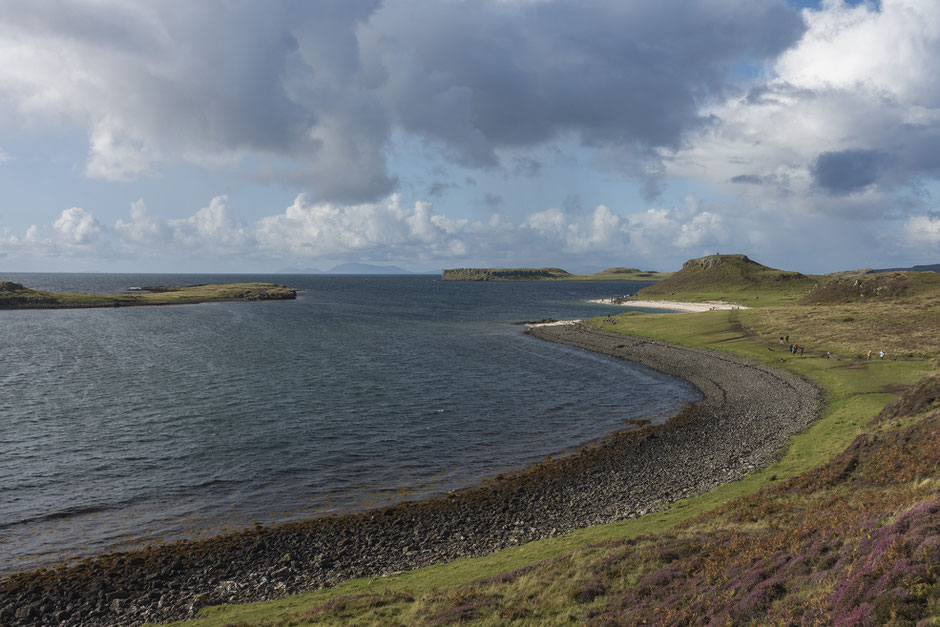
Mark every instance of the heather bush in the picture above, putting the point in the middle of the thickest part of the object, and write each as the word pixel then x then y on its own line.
pixel 589 591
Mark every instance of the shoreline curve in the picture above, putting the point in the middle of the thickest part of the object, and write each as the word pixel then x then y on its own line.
pixel 746 416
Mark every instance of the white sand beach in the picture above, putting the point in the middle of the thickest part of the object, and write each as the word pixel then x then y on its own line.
pixel 670 304
pixel 555 323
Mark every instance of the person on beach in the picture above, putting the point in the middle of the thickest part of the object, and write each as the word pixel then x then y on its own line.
pixel 869 354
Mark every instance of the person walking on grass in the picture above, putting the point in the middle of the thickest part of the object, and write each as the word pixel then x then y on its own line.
pixel 881 354
pixel 869 354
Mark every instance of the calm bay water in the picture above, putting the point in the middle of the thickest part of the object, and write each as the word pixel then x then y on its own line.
pixel 125 426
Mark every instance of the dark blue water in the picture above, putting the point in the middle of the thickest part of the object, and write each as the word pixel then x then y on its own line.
pixel 125 426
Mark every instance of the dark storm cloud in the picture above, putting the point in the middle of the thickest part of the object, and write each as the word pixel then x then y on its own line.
pixel 316 88
pixel 848 171
pixel 484 75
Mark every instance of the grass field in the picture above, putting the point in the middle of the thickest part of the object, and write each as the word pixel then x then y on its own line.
pixel 843 529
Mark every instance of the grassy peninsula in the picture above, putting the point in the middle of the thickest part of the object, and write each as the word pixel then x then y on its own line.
pixel 843 529
pixel 16 296
pixel 549 274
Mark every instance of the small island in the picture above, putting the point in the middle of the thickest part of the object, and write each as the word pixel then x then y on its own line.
pixel 16 296
pixel 549 274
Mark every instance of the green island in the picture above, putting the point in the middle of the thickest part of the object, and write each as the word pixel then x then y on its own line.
pixel 16 296
pixel 549 274
pixel 843 529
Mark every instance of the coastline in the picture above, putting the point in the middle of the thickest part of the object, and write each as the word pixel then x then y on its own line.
pixel 671 305
pixel 747 415
pixel 15 296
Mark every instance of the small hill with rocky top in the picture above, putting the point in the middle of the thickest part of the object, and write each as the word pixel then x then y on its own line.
pixel 729 277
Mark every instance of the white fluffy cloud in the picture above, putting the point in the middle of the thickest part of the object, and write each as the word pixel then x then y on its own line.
pixel 845 122
pixel 77 227
pixel 688 230
pixel 75 234
pixel 600 232
pixel 381 231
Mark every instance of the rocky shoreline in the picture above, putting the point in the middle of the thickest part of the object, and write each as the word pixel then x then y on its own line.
pixel 747 415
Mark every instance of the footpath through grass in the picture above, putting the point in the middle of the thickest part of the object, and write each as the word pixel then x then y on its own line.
pixel 561 587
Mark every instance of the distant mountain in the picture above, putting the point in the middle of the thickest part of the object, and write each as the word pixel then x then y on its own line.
pixel 293 270
pixel 366 268
pixel 931 268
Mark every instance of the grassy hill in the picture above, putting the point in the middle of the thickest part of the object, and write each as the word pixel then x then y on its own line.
pixel 882 287
pixel 548 274
pixel 844 529
pixel 16 296
pixel 734 278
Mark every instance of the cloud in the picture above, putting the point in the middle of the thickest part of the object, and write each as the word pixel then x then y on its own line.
pixel 74 235
pixel 212 230
pixel 492 200
pixel 77 227
pixel 154 83
pixel 626 77
pixel 212 226
pixel 683 230
pixel 923 231
pixel 847 171
pixel 748 179
pixel 846 122
pixel 386 230
pixel 142 229
pixel 318 229
pixel 526 166
pixel 309 93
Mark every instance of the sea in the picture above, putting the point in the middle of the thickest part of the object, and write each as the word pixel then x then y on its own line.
pixel 123 427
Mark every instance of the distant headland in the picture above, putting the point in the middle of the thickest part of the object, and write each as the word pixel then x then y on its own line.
pixel 16 296
pixel 549 274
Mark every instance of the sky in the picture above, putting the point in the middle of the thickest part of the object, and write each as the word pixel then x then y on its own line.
pixel 238 136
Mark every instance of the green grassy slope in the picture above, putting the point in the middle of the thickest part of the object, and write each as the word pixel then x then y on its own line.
pixel 16 296
pixel 844 528
pixel 881 287
pixel 733 278
pixel 549 274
